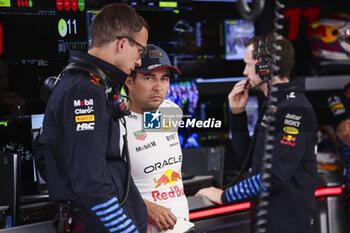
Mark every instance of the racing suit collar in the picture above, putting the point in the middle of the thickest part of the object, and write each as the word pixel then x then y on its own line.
pixel 110 70
pixel 296 85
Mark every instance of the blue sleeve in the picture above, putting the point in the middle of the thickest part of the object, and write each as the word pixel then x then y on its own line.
pixel 245 189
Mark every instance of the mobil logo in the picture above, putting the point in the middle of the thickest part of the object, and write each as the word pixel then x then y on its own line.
pixel 85 102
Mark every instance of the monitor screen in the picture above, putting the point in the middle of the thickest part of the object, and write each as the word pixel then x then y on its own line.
pixel 252 110
pixel 28 33
pixel 194 38
pixel 90 15
pixel 237 33
pixel 29 177
pixel 184 94
pixel 37 120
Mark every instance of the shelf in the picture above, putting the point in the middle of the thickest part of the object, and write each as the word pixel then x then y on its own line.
pixel 323 83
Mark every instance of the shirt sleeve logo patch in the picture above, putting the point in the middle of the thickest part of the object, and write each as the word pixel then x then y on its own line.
pixel 288 140
pixel 94 79
pixel 291 130
pixel 85 126
pixel 292 120
pixel 140 135
pixel 291 95
pixel 84 118
pixel 85 102
pixel 79 111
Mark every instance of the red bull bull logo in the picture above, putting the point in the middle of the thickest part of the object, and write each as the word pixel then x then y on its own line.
pixel 95 79
pixel 288 140
pixel 169 177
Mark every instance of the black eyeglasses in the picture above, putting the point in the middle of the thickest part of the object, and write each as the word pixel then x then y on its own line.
pixel 144 49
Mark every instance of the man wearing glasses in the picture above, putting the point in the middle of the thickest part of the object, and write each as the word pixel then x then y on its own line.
pixel 86 173
pixel 142 49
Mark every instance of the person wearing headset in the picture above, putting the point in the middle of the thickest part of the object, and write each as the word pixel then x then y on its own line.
pixel 155 154
pixel 339 106
pixel 293 168
pixel 86 173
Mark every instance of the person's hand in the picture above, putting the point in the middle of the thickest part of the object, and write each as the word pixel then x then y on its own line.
pixel 211 193
pixel 160 217
pixel 238 97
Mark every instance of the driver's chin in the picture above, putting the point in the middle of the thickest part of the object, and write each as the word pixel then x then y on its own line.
pixel 153 106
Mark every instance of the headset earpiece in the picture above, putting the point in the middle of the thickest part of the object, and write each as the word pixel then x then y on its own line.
pixel 117 102
pixel 48 86
pixel 264 61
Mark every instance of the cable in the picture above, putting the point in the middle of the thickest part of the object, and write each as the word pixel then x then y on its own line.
pixel 263 199
pixel 249 153
pixel 127 160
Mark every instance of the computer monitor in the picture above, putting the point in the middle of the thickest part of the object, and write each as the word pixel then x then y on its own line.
pixel 211 163
pixel 185 95
pixel 29 176
pixel 36 121
pixel 237 33
pixel 252 110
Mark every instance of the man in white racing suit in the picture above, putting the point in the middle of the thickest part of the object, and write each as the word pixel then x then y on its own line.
pixel 155 152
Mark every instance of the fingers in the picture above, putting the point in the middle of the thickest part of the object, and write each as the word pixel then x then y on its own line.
pixel 162 218
pixel 200 192
pixel 165 222
pixel 211 193
pixel 239 88
pixel 173 219
pixel 203 192
pixel 238 97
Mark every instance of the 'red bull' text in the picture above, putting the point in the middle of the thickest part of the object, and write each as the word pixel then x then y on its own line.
pixel 162 196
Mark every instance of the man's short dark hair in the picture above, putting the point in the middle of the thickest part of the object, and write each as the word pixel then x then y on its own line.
pixel 286 62
pixel 114 20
